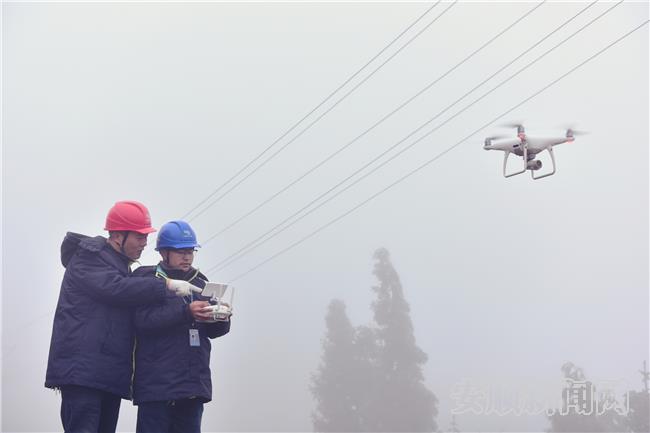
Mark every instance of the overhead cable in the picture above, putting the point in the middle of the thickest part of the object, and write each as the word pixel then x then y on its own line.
pixel 258 241
pixel 364 133
pixel 422 166
pixel 356 86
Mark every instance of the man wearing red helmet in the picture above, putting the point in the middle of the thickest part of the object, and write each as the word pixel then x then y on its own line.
pixel 91 348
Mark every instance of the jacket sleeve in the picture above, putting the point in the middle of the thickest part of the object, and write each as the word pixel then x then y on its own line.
pixel 107 285
pixel 217 329
pixel 156 317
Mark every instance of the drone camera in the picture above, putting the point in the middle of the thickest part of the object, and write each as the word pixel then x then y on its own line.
pixel 534 164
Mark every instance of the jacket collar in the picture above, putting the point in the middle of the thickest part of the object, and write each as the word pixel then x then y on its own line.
pixel 178 274
pixel 98 245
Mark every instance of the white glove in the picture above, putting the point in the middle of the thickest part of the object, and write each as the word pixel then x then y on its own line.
pixel 182 288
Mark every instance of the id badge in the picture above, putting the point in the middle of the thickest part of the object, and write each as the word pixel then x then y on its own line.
pixel 194 338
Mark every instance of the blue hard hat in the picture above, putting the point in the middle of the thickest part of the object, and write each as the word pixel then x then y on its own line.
pixel 176 234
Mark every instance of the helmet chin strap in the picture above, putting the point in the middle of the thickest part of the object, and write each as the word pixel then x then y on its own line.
pixel 165 256
pixel 121 245
pixel 126 235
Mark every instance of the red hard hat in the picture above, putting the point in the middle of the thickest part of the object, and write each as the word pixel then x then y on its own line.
pixel 130 216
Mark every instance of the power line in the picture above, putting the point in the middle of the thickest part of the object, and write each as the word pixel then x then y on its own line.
pixel 216 200
pixel 220 266
pixel 422 166
pixel 327 98
pixel 440 154
pixel 320 104
pixel 380 121
pixel 230 259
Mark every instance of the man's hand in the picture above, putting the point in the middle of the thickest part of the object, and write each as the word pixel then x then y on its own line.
pixel 181 288
pixel 196 309
pixel 220 312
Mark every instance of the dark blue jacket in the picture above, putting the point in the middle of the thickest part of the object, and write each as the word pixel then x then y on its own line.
pixel 93 334
pixel 166 366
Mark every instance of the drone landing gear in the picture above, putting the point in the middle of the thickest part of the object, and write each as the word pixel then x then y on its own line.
pixel 505 163
pixel 529 164
pixel 550 173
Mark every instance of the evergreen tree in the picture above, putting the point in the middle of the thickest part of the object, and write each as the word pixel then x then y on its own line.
pixel 401 401
pixel 341 377
pixel 365 380
pixel 370 378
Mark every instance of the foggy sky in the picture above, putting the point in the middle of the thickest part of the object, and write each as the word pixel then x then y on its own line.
pixel 162 102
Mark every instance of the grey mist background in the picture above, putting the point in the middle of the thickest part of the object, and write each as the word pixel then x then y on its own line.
pixel 507 279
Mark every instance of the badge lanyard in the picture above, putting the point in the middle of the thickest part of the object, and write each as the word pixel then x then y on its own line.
pixel 195 340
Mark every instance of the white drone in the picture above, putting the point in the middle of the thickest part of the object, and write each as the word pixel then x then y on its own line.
pixel 528 148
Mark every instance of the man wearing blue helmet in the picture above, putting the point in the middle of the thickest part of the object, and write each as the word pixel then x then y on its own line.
pixel 172 357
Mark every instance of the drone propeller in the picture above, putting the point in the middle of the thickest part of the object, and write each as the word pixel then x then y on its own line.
pixel 513 125
pixel 570 129
pixel 488 140
pixel 521 131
